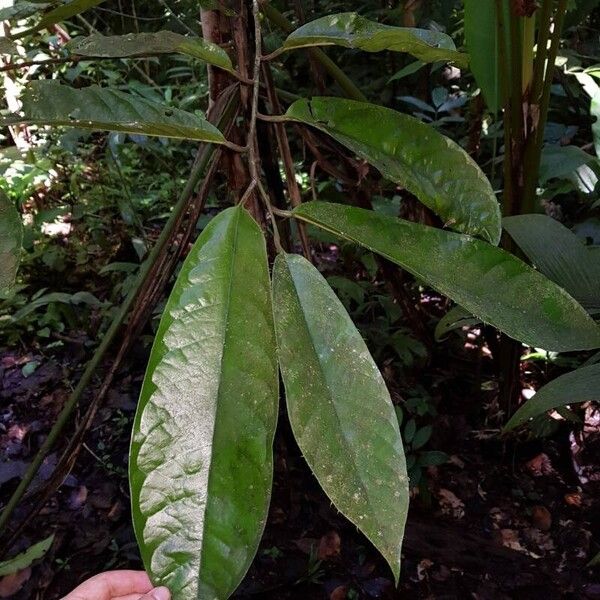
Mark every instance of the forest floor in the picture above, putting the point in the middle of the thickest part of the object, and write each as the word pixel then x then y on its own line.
pixel 500 520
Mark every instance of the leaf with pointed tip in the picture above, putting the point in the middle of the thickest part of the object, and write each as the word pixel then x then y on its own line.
pixel 147 44
pixel 54 14
pixel 429 165
pixel 457 317
pixel 489 282
pixel 26 558
pixel 581 385
pixel 47 102
pixel 339 408
pixel 559 254
pixel 201 462
pixel 11 235
pixel 350 30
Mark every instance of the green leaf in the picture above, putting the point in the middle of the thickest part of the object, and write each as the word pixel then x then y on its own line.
pixel 201 461
pixel 350 30
pixel 481 40
pixel 580 385
pixel 50 103
pixel 339 408
pixel 429 165
pixel 63 12
pixel 489 282
pixel 457 317
pixel 145 44
pixel 560 254
pixel 560 162
pixel 11 237
pixel 27 558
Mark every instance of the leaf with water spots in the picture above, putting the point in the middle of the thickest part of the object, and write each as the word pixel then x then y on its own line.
pixel 488 282
pixel 47 102
pixel 201 461
pixel 339 408
pixel 429 165
pixel 351 30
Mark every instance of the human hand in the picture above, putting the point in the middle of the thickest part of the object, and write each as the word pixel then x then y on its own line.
pixel 119 585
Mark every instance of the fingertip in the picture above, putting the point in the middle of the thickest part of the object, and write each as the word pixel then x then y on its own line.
pixel 159 593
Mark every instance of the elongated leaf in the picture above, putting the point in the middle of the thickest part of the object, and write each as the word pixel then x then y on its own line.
pixel 339 407
pixel 457 317
pixel 350 30
pixel 490 283
pixel 562 161
pixel 559 254
pixel 201 455
pixel 27 558
pixel 481 40
pixel 145 44
pixel 580 385
pixel 50 103
pixel 11 235
pixel 431 166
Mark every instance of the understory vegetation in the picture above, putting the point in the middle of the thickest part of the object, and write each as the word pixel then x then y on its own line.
pixel 300 299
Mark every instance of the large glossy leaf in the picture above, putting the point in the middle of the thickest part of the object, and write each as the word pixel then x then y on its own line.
pixel 339 407
pixel 580 385
pixel 431 166
pixel 201 453
pixel 560 254
pixel 350 30
pixel 145 44
pixel 50 103
pixel 488 282
pixel 11 234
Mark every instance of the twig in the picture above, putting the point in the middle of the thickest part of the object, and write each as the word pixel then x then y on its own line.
pixel 286 156
pixel 253 160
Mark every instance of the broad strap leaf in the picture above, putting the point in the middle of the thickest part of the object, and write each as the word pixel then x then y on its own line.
pixel 487 281
pixel 429 165
pixel 481 39
pixel 559 254
pixel 581 385
pixel 11 236
pixel 350 30
pixel 201 454
pixel 48 102
pixel 560 162
pixel 146 44
pixel 339 408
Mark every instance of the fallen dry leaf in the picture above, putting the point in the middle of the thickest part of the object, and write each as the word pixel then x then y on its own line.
pixel 539 465
pixel 329 546
pixel 339 593
pixel 541 518
pixel 451 504
pixel 573 499
pixel 11 584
